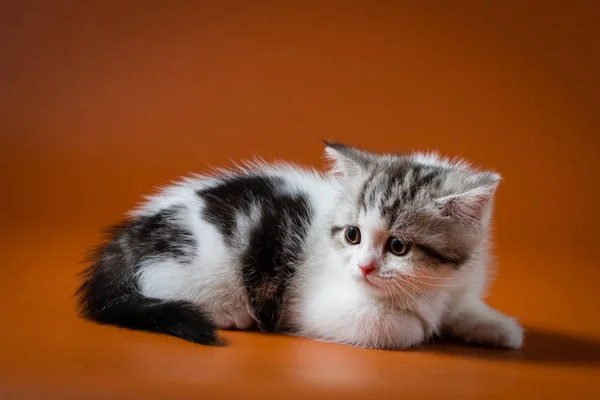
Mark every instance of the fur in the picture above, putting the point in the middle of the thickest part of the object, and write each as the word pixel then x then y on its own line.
pixel 265 246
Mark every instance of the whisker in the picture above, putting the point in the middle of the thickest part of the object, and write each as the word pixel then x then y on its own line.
pixel 429 276
pixel 411 297
pixel 416 288
pixel 415 278
pixel 432 284
pixel 405 297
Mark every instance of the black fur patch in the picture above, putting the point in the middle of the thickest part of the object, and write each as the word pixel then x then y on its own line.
pixel 454 261
pixel 396 176
pixel 110 294
pixel 335 230
pixel 159 235
pixel 275 243
pixel 234 196
pixel 362 200
pixel 391 211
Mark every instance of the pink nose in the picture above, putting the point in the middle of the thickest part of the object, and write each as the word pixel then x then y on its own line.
pixel 367 268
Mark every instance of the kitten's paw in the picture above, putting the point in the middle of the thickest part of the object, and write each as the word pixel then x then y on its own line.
pixel 502 331
pixel 406 331
pixel 396 331
pixel 411 335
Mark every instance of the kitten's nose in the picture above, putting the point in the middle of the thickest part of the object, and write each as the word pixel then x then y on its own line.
pixel 367 268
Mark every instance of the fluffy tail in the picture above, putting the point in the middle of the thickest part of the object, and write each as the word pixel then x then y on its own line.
pixel 109 295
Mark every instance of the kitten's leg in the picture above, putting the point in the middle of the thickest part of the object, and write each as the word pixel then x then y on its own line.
pixel 368 328
pixel 408 330
pixel 390 329
pixel 340 311
pixel 476 322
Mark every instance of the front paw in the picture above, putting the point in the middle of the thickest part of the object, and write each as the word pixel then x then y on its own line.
pixel 502 331
pixel 399 330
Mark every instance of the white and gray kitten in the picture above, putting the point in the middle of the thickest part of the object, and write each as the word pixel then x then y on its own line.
pixel 384 251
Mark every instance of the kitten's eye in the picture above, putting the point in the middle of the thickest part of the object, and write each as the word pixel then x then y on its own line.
pixel 398 246
pixel 352 235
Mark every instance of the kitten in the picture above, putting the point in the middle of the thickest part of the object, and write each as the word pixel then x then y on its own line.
pixel 384 251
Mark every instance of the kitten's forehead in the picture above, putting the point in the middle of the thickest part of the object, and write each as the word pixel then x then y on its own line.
pixel 401 182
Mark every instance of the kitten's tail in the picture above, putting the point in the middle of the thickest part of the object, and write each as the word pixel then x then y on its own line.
pixel 109 295
pixel 134 311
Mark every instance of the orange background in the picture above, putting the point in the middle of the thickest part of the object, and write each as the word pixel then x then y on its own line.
pixel 102 101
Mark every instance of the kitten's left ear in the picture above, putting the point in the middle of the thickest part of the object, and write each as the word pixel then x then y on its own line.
pixel 471 205
pixel 347 161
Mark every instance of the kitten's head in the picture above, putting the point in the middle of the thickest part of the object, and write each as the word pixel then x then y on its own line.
pixel 406 219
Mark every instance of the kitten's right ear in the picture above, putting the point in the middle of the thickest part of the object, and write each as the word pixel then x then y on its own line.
pixel 347 161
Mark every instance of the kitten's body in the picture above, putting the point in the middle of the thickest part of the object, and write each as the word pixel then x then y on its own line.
pixel 267 246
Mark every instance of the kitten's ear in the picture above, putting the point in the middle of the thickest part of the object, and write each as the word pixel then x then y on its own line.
pixel 347 161
pixel 471 205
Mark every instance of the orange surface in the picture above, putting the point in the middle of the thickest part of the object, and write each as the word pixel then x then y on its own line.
pixel 102 101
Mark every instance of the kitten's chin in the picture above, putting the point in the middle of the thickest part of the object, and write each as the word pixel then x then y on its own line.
pixel 374 284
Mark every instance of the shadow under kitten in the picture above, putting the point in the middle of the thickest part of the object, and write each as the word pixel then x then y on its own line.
pixel 540 346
